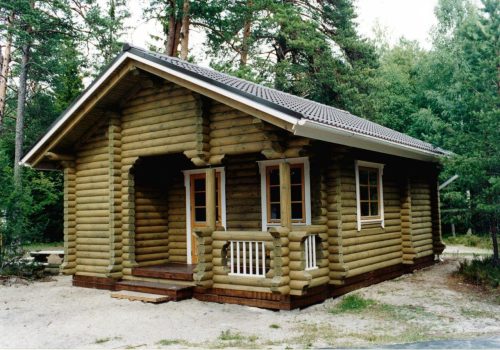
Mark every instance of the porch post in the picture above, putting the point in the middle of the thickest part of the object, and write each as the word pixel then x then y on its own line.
pixel 211 213
pixel 285 196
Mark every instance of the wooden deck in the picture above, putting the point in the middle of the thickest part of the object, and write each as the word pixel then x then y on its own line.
pixel 171 271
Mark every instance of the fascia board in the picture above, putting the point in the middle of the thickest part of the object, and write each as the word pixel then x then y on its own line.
pixel 311 129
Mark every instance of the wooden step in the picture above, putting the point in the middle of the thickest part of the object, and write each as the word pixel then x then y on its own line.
pixel 171 271
pixel 144 297
pixel 174 291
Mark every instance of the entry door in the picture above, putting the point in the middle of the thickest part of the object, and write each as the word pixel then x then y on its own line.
pixel 198 205
pixel 198 209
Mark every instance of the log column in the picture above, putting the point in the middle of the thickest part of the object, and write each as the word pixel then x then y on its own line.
pixel 69 264
pixel 280 257
pixel 128 217
pixel 210 179
pixel 285 196
pixel 203 274
pixel 115 267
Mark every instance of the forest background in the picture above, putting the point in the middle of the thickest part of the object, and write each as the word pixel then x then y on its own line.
pixel 447 94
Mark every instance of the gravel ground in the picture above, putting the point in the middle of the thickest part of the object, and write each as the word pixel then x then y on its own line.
pixel 428 304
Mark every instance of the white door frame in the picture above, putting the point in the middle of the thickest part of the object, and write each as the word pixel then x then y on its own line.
pixel 187 185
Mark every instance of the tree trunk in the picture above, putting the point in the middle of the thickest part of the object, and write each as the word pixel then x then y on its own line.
pixel 186 19
pixel 4 73
pixel 494 239
pixel 21 102
pixel 177 38
pixel 246 35
pixel 169 45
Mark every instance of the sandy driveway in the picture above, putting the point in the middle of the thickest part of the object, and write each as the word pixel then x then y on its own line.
pixel 424 305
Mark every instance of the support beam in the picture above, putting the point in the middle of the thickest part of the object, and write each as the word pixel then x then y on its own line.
pixel 285 196
pixel 211 198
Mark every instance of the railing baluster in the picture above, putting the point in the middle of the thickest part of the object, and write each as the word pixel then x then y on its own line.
pixel 251 260
pixel 256 258
pixel 232 257
pixel 255 265
pixel 310 251
pixel 306 251
pixel 263 258
pixel 244 244
pixel 238 257
pixel 313 262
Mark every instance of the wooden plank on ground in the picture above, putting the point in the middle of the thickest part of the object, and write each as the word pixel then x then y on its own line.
pixel 144 297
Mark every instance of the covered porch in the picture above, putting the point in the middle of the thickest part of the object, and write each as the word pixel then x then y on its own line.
pixel 182 243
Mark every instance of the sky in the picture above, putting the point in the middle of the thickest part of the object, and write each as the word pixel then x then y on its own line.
pixel 411 19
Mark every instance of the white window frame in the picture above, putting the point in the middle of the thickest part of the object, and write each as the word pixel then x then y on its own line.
pixel 380 167
pixel 187 185
pixel 263 164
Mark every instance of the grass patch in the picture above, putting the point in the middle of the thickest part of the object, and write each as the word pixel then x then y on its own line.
pixel 470 241
pixel 42 246
pixel 102 340
pixel 228 335
pixel 473 313
pixel 480 271
pixel 355 303
pixel 274 326
pixel 168 342
pixel 233 339
pixel 352 303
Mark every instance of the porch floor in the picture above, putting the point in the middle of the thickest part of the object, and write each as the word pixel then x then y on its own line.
pixel 170 271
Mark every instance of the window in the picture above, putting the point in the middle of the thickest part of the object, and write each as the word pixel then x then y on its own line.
pixel 369 193
pixel 270 191
pixel 199 199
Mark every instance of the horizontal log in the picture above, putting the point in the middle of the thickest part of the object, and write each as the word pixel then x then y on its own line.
pixel 241 235
pixel 373 267
pixel 372 253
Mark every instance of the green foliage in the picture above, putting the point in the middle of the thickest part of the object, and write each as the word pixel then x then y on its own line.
pixel 449 96
pixel 353 303
pixel 14 263
pixel 307 50
pixel 480 271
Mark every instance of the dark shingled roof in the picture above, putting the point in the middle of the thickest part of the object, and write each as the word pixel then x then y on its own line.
pixel 293 105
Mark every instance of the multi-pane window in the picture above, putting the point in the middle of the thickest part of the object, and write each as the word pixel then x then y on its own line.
pixel 369 192
pixel 297 193
pixel 199 199
pixel 273 194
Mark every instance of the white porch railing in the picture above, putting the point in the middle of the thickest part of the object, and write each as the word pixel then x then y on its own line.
pixel 248 258
pixel 310 252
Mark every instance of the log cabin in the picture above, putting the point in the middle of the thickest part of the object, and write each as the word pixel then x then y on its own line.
pixel 186 182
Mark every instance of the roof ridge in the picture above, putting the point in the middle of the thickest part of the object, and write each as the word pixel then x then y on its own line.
pixel 233 77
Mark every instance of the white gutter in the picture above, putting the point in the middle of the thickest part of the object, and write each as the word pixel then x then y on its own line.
pixel 315 130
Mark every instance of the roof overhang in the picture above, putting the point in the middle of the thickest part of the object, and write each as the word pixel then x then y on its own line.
pixel 300 127
pixel 318 131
